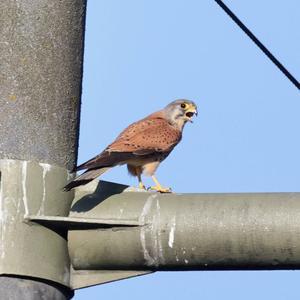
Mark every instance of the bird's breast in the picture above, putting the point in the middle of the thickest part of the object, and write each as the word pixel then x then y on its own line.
pixel 150 168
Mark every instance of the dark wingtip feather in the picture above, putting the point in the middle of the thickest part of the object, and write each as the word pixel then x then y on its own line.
pixel 76 183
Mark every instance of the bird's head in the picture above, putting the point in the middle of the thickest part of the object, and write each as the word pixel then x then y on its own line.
pixel 180 111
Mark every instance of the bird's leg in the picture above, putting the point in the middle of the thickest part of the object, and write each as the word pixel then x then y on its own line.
pixel 158 187
pixel 141 185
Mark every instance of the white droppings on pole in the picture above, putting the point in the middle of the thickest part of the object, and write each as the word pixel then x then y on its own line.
pixel 146 209
pixel 156 226
pixel 24 176
pixel 172 232
pixel 46 168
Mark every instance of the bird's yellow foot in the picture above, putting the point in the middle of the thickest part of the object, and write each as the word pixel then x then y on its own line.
pixel 160 189
pixel 141 186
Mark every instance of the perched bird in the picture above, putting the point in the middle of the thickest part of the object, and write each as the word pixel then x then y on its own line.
pixel 142 146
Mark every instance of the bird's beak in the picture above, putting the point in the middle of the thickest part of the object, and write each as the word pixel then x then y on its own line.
pixel 190 112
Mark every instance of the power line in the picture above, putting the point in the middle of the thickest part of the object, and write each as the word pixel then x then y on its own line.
pixel 259 44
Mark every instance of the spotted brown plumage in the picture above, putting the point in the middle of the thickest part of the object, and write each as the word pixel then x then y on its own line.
pixel 143 145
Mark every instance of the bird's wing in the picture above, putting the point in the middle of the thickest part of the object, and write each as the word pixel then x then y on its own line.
pixel 104 159
pixel 147 136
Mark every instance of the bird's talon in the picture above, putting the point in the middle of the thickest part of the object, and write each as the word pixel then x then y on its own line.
pixel 142 187
pixel 160 189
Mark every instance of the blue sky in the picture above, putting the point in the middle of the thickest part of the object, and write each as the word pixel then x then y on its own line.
pixel 141 55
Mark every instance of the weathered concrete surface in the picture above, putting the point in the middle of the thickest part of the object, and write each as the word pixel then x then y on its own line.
pixel 41 51
pixel 28 289
pixel 28 249
pixel 41 55
pixel 186 232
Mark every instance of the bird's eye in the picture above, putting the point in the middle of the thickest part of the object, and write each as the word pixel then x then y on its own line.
pixel 183 105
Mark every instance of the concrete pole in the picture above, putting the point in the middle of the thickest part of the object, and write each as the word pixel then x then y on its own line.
pixel 186 232
pixel 41 51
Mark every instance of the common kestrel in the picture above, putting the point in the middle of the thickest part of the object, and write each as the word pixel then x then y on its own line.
pixel 142 146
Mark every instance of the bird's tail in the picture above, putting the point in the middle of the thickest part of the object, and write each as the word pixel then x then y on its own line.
pixel 85 177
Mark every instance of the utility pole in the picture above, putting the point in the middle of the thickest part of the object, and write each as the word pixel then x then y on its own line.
pixel 41 52
pixel 52 243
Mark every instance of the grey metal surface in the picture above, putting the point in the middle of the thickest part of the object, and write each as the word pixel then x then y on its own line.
pixel 187 232
pixel 41 53
pixel 28 289
pixel 26 248
pixel 84 223
pixel 86 278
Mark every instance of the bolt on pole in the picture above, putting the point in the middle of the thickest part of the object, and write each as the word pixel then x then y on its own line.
pixel 41 54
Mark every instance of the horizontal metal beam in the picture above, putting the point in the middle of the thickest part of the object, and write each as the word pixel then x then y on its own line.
pixel 187 231
pixel 79 223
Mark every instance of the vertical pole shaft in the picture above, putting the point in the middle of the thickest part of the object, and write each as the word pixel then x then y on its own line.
pixel 41 51
pixel 41 64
